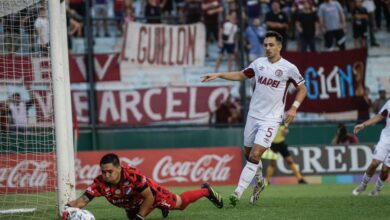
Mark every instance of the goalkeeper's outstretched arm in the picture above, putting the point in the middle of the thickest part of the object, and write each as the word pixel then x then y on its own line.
pixel 80 202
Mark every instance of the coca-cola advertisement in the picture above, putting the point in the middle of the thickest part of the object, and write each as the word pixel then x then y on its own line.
pixel 27 172
pixel 170 167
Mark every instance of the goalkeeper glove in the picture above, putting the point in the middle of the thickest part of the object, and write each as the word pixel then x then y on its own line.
pixel 67 211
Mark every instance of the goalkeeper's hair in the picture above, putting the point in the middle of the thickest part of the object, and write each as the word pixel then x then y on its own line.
pixel 276 35
pixel 110 158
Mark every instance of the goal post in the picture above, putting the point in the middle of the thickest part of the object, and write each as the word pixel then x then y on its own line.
pixel 37 172
pixel 62 109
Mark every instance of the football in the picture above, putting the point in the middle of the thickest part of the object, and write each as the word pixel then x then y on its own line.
pixel 81 214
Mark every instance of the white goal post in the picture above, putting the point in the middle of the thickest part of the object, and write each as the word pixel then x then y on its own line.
pixel 36 136
pixel 62 103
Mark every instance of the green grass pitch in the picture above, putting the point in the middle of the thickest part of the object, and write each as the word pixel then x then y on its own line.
pixel 314 202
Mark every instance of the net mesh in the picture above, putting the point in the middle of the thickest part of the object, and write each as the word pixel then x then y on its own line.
pixel 27 153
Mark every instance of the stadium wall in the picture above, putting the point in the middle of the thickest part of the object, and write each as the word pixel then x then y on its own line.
pixel 160 138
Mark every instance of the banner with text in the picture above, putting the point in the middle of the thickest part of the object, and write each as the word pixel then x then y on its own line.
pixel 179 167
pixel 170 167
pixel 146 106
pixel 334 80
pixel 162 45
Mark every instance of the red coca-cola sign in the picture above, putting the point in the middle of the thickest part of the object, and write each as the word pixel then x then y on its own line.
pixel 169 167
pixel 27 172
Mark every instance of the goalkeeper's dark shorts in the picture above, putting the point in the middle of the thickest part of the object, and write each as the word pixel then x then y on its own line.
pixel 281 148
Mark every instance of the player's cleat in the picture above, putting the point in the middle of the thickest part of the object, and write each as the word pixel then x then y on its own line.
pixel 214 197
pixel 164 212
pixel 302 181
pixel 374 192
pixel 359 189
pixel 256 191
pixel 233 198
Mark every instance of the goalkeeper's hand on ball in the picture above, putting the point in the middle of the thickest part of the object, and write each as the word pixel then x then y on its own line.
pixel 67 210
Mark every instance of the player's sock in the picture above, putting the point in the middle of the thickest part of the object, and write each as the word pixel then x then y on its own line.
pixel 365 179
pixel 270 173
pixel 379 184
pixel 191 196
pixel 295 170
pixel 259 171
pixel 246 178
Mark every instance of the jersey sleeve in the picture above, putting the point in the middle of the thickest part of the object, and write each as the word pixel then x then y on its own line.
pixel 295 76
pixel 385 109
pixel 138 180
pixel 94 190
pixel 249 72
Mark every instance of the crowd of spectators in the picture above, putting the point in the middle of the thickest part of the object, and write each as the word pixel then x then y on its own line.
pixel 303 21
pixel 300 20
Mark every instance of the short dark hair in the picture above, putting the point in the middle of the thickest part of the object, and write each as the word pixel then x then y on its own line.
pixel 110 158
pixel 274 34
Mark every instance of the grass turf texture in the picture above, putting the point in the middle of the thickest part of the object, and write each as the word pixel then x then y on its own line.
pixel 328 201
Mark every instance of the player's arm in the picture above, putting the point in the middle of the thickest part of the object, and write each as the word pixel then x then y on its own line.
pixel 234 76
pixel 80 202
pixel 147 204
pixel 377 118
pixel 291 113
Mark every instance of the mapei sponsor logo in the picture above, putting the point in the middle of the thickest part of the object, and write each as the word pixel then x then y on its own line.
pixel 268 82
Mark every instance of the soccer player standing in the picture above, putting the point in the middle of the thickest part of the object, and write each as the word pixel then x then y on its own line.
pixel 273 75
pixel 127 188
pixel 381 153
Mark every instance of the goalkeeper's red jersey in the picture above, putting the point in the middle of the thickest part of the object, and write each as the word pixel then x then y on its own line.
pixel 126 194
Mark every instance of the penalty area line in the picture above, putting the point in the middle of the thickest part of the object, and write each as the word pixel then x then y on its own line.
pixel 22 210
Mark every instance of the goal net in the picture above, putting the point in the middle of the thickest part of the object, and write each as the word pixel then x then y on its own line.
pixel 28 177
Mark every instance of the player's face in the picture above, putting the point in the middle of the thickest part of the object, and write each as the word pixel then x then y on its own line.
pixel 272 47
pixel 111 174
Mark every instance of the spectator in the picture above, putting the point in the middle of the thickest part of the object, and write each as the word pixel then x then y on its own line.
pixel 253 10
pixel 18 110
pixel 192 11
pixel 4 117
pixel 332 22
pixel 343 137
pixel 31 14
pixel 381 6
pixel 227 41
pixel 363 106
pixel 101 7
pixel 277 20
pixel 307 22
pixel 119 9
pixel 254 36
pixel 212 9
pixel 12 34
pixel 153 12
pixel 370 7
pixel 378 103
pixel 43 31
pixel 359 20
pixel 227 112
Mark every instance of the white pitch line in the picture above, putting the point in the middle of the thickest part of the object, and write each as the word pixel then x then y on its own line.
pixel 23 210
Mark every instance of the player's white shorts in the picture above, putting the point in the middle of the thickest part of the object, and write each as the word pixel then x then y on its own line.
pixel 382 152
pixel 259 132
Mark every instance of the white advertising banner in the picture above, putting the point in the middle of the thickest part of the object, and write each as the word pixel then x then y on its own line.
pixel 162 45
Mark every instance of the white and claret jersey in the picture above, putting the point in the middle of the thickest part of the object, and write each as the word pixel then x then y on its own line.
pixel 385 112
pixel 272 81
